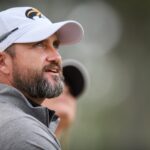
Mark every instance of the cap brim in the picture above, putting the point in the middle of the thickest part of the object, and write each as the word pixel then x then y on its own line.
pixel 69 32
pixel 76 77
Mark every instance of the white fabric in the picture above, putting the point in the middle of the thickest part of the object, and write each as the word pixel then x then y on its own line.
pixel 36 28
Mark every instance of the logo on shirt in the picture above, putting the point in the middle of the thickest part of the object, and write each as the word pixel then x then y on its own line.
pixel 33 12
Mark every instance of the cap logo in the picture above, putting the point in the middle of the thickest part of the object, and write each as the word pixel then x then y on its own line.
pixel 31 13
pixel 4 36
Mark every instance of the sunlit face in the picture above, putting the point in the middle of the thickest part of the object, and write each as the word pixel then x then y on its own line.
pixel 65 107
pixel 36 69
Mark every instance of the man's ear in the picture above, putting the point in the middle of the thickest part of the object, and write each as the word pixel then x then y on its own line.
pixel 4 63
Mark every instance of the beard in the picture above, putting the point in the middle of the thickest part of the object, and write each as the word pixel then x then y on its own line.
pixel 32 84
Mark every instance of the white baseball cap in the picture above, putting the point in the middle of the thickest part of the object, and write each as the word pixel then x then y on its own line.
pixel 27 24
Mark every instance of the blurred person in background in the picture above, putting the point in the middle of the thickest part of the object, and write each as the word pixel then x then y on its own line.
pixel 30 71
pixel 75 83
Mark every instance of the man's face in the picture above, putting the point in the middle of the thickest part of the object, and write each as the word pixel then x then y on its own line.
pixel 36 69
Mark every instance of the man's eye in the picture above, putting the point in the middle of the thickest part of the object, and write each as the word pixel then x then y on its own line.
pixel 56 44
pixel 40 44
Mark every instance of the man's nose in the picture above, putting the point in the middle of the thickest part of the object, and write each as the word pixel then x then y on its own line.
pixel 54 56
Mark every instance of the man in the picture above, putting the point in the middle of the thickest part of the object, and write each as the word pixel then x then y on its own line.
pixel 76 80
pixel 30 71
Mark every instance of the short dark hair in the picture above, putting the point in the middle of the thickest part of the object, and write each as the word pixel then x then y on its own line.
pixel 11 51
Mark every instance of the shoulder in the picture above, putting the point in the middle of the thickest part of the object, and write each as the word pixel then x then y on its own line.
pixel 26 132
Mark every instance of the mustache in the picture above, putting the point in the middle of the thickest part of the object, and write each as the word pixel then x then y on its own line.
pixel 53 66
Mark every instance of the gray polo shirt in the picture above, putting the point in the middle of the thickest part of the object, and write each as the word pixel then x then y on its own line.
pixel 22 126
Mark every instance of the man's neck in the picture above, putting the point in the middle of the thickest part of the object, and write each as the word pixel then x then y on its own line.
pixel 35 101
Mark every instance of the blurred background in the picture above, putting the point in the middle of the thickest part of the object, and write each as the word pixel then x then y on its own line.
pixel 114 114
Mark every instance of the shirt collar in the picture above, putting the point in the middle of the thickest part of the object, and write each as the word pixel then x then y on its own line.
pixel 11 95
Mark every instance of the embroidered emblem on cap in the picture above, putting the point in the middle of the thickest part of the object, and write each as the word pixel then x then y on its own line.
pixel 33 12
pixel 4 36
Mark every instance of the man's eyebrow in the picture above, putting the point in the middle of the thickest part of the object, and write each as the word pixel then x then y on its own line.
pixel 33 43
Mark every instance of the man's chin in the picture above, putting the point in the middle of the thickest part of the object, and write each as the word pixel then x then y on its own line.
pixel 55 83
pixel 53 78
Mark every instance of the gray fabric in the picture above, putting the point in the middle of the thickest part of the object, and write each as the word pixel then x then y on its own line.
pixel 22 126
